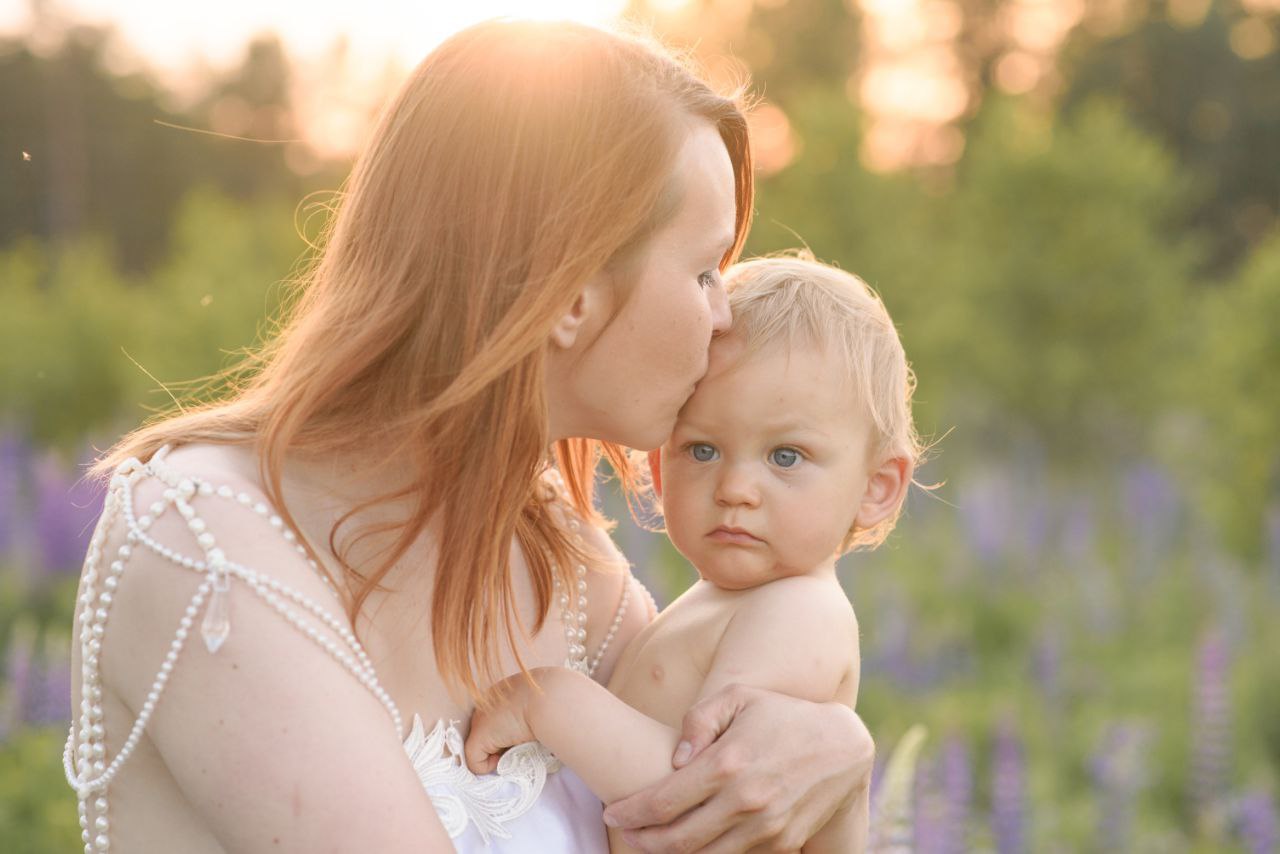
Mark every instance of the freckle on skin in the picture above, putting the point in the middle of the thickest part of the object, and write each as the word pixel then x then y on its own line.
pixel 658 673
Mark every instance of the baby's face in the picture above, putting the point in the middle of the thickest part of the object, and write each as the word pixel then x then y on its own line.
pixel 765 471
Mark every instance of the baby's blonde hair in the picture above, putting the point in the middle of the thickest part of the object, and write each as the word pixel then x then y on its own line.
pixel 793 299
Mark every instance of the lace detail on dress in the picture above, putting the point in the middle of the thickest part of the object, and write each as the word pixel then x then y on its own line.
pixel 486 801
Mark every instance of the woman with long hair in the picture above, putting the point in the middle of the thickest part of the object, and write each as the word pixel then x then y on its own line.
pixel 296 593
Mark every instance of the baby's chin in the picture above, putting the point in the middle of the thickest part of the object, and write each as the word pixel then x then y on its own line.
pixel 729 572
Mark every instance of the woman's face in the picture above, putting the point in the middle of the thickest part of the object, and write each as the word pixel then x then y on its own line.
pixel 645 355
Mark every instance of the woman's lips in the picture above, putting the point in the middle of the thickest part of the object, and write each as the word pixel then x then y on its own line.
pixel 734 536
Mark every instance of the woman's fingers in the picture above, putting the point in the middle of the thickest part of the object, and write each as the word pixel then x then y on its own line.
pixel 692 832
pixel 666 800
pixel 706 720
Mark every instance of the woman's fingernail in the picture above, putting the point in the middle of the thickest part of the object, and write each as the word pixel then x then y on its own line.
pixel 683 749
pixel 610 820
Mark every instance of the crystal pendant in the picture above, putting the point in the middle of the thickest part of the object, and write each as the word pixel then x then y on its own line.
pixel 216 625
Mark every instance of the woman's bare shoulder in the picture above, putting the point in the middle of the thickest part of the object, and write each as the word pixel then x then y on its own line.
pixel 249 702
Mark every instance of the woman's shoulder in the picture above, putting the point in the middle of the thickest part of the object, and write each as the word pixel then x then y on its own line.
pixel 168 524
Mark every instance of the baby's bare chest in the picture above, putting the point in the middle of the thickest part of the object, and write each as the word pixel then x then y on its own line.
pixel 664 667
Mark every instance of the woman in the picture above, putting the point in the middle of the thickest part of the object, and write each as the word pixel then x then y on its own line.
pixel 367 532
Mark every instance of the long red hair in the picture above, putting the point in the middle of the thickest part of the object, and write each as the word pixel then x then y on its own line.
pixel 519 159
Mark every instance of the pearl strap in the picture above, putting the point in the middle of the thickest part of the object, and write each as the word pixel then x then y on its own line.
pixel 84 755
pixel 575 621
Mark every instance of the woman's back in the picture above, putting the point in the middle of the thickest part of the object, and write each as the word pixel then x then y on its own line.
pixel 284 680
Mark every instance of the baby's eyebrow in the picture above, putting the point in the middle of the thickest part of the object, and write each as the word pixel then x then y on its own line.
pixel 794 427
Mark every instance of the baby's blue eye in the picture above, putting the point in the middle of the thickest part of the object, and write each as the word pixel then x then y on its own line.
pixel 702 452
pixel 784 457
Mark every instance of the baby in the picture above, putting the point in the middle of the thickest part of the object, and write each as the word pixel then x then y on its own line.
pixel 796 447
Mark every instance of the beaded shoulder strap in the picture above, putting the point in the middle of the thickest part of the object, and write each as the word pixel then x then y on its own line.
pixel 575 618
pixel 84 760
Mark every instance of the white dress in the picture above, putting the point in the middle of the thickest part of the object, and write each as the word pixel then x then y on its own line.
pixel 530 803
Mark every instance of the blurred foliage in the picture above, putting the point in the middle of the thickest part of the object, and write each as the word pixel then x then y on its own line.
pixel 1181 76
pixel 1083 617
pixel 85 346
pixel 85 150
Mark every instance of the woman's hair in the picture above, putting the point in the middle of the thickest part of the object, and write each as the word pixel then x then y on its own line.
pixel 520 159
pixel 792 299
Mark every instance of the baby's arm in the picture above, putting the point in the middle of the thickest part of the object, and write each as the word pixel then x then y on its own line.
pixel 615 749
pixel 798 637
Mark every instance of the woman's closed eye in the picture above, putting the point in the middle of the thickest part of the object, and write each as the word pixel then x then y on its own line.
pixel 784 457
pixel 702 452
pixel 709 279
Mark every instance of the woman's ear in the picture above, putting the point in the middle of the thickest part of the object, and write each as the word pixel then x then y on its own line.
pixel 589 305
pixel 655 470
pixel 886 488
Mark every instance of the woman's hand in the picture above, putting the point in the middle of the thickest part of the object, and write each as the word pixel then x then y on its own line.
pixel 502 721
pixel 781 770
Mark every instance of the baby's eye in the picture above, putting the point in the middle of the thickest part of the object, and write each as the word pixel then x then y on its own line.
pixel 702 452
pixel 784 457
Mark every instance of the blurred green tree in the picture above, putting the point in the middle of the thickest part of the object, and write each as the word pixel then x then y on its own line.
pixel 1206 82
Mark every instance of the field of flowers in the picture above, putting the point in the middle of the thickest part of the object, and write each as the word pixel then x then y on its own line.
pixel 1091 672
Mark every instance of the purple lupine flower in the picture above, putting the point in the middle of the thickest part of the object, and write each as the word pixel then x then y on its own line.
pixel 957 783
pixel 1151 507
pixel 1079 532
pixel 48 700
pixel 1119 773
pixel 65 512
pixel 930 831
pixel 891 655
pixel 1008 791
pixel 1046 665
pixel 1035 523
pixel 18 676
pixel 986 511
pixel 1257 823
pixel 1211 752
pixel 13 465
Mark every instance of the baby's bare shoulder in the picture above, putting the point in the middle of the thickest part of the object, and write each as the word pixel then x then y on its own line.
pixel 802 600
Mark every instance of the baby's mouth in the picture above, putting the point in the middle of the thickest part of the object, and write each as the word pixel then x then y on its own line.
pixel 734 536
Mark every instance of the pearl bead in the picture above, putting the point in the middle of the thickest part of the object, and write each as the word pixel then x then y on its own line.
pixel 100 805
pixel 102 843
pixel 224 492
pixel 196 524
pixel 206 489
pixel 111 582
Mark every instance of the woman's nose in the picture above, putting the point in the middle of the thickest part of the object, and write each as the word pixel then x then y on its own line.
pixel 721 319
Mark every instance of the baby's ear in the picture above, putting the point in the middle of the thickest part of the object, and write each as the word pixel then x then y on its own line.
pixel 886 488
pixel 655 470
